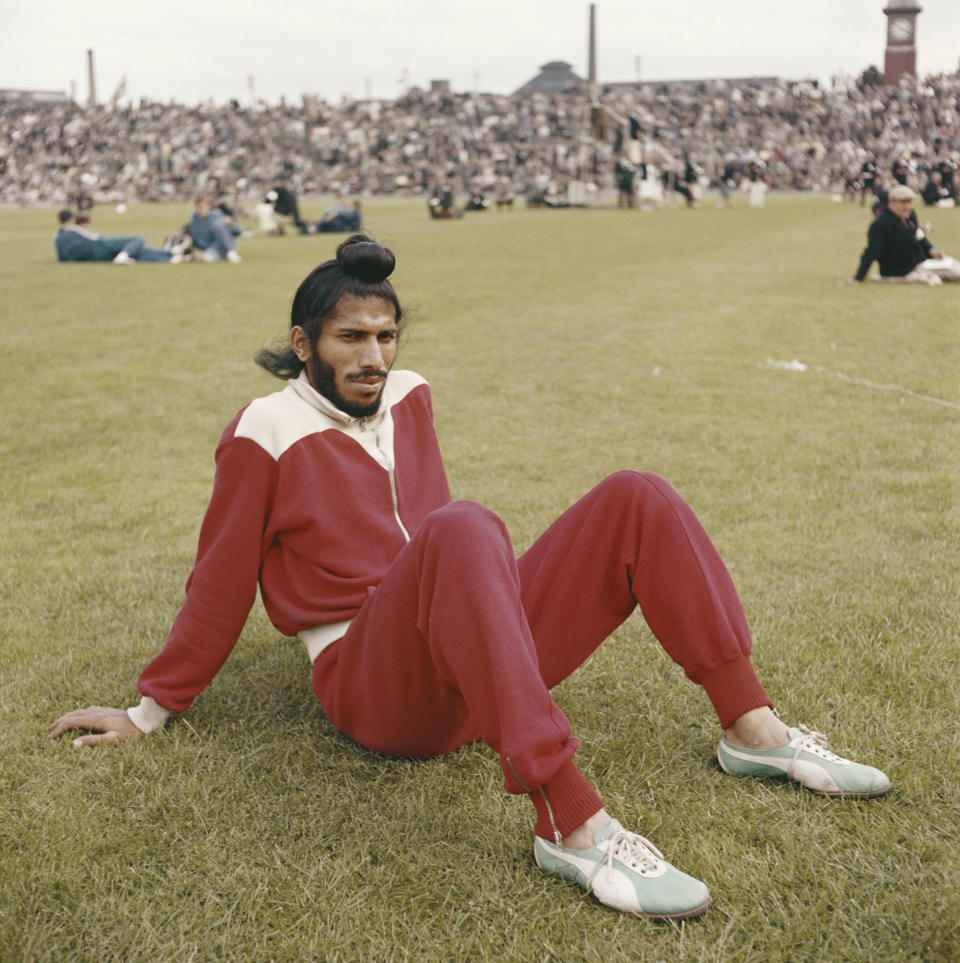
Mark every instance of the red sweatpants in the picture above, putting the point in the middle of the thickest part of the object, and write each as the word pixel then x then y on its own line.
pixel 462 641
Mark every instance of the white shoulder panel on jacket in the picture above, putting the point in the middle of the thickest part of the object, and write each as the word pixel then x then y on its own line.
pixel 400 384
pixel 279 420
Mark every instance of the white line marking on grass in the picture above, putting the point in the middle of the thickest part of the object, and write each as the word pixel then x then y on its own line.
pixel 785 365
pixel 796 365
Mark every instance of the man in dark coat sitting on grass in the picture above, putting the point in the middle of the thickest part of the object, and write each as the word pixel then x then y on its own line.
pixel 900 246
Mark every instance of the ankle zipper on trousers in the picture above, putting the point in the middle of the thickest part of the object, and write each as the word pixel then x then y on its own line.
pixel 557 838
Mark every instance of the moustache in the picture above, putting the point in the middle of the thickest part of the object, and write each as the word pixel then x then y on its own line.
pixel 361 375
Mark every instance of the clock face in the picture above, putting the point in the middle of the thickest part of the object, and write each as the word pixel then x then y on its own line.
pixel 901 30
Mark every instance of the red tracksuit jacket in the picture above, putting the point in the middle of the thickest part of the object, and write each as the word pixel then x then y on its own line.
pixel 312 504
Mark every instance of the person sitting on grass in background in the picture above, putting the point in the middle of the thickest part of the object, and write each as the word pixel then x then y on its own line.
pixel 901 247
pixel 441 204
pixel 425 631
pixel 285 204
pixel 76 242
pixel 279 208
pixel 935 192
pixel 213 239
pixel 339 218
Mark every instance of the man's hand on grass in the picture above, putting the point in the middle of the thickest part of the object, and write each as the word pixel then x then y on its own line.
pixel 110 725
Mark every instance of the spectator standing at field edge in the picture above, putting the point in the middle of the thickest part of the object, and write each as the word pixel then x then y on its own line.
pixel 624 173
pixel 425 631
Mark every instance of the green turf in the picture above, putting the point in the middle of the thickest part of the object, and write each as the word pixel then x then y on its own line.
pixel 561 345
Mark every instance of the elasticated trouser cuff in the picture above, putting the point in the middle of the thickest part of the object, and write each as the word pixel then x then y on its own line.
pixel 566 800
pixel 733 688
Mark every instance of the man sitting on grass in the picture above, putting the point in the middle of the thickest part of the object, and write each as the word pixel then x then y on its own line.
pixel 76 242
pixel 900 246
pixel 425 632
pixel 341 217
pixel 213 238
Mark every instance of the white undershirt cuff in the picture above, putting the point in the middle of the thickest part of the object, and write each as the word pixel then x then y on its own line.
pixel 149 715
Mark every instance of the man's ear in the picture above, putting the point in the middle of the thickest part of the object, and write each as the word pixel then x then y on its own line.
pixel 300 342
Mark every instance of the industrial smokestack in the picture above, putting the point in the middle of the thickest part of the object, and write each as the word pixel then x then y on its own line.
pixel 91 80
pixel 592 51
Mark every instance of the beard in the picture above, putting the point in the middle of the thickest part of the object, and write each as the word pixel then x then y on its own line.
pixel 324 381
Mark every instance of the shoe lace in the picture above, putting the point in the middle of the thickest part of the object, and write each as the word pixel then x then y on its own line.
pixel 633 850
pixel 815 742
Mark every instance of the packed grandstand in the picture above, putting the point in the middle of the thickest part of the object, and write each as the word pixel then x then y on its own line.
pixel 800 135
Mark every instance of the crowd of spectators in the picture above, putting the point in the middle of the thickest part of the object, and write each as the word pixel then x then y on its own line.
pixel 802 136
pixel 798 136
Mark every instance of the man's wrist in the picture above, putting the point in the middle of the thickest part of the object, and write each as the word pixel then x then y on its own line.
pixel 149 715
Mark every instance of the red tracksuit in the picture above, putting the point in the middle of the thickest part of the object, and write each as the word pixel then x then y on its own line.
pixel 426 632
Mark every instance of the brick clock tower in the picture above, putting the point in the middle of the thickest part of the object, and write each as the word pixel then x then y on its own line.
pixel 901 53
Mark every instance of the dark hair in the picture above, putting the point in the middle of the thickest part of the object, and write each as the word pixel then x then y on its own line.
pixel 360 269
pixel 65 215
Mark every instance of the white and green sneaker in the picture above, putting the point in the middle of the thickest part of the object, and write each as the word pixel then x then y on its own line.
pixel 626 872
pixel 806 759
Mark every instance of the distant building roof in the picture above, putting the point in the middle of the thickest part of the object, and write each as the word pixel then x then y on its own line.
pixel 556 77
pixel 34 96
pixel 690 86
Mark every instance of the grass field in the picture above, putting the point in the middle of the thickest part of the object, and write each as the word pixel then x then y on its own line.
pixel 561 345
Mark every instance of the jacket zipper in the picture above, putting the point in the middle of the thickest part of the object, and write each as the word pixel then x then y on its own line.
pixel 396 504
pixel 388 464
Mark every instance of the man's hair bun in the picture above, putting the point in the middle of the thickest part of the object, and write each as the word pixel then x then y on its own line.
pixel 360 270
pixel 362 258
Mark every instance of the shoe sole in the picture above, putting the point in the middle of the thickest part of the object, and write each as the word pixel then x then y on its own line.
pixel 657 917
pixel 816 792
pixel 851 795
pixel 654 917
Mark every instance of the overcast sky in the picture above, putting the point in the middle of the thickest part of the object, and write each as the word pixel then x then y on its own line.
pixel 193 50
